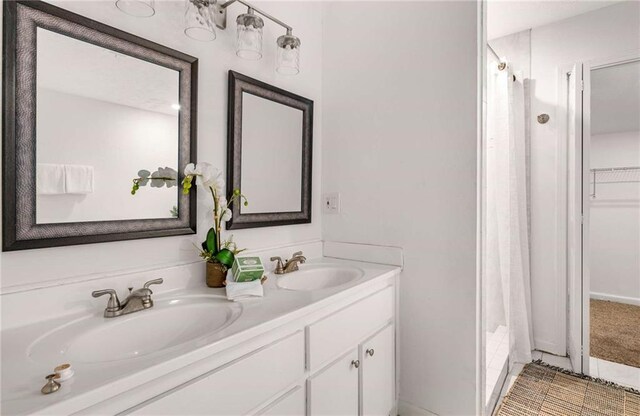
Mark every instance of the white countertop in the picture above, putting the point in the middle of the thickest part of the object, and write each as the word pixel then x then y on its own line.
pixel 22 377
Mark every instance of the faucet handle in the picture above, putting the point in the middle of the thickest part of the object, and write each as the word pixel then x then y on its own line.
pixel 299 257
pixel 153 282
pixel 114 303
pixel 279 266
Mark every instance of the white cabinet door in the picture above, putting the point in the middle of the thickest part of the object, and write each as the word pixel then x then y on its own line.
pixel 378 373
pixel 334 390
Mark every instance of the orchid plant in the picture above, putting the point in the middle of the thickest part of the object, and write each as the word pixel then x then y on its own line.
pixel 206 176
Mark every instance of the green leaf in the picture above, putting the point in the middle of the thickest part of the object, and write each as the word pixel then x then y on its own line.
pixel 225 256
pixel 212 240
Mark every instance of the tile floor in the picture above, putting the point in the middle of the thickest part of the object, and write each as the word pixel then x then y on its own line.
pixel 618 373
pixel 497 352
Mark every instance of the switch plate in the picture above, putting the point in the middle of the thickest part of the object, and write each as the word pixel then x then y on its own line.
pixel 331 203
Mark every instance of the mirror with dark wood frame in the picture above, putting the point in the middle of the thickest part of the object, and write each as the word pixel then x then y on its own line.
pixel 269 153
pixel 87 109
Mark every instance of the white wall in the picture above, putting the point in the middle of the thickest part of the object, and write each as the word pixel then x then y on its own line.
pixel 74 130
pixel 614 234
pixel 400 146
pixel 215 59
pixel 611 31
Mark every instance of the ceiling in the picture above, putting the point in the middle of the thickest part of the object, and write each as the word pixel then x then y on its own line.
pixel 615 99
pixel 80 68
pixel 505 17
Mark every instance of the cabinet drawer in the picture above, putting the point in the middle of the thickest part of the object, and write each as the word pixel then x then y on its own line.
pixel 237 387
pixel 347 327
pixel 292 403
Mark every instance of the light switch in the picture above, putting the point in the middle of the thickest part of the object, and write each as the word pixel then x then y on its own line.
pixel 331 203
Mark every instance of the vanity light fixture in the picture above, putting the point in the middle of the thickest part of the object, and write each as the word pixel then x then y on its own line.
pixel 202 16
pixel 249 45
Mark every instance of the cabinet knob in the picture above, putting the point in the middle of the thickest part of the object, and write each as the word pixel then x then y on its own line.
pixel 355 363
pixel 370 352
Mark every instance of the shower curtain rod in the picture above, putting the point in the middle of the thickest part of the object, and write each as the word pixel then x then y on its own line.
pixel 493 52
pixel 501 65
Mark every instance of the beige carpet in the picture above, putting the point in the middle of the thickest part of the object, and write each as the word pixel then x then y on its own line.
pixel 615 332
pixel 544 391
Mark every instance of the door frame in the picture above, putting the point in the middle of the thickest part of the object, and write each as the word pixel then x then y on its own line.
pixel 582 210
pixel 570 233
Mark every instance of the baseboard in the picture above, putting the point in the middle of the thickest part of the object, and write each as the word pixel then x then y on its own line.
pixel 615 298
pixel 407 409
pixel 548 347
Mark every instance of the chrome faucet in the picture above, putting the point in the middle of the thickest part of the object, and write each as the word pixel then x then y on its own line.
pixel 137 300
pixel 290 265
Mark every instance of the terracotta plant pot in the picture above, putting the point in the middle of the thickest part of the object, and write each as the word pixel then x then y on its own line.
pixel 216 274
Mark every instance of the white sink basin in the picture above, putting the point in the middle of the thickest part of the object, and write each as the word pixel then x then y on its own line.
pixel 169 324
pixel 319 276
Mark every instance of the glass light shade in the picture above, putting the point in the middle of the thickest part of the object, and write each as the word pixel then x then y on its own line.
pixel 249 39
pixel 288 55
pixel 198 20
pixel 137 8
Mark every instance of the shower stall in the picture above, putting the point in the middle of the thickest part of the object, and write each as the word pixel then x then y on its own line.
pixel 506 271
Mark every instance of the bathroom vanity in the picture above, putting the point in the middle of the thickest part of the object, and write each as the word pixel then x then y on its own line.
pixel 321 341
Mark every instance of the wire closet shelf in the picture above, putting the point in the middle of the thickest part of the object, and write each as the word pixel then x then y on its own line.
pixel 623 174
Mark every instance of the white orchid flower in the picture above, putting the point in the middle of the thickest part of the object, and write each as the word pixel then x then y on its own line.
pixel 222 203
pixel 190 170
pixel 205 174
pixel 223 212
pixel 217 182
pixel 226 215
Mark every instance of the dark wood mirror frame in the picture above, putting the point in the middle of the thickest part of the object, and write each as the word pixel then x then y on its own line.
pixel 239 84
pixel 20 230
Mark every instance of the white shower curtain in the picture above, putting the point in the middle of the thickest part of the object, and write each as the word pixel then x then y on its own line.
pixel 507 240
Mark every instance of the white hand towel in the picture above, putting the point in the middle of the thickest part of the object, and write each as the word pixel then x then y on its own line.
pixel 78 179
pixel 244 290
pixel 50 179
